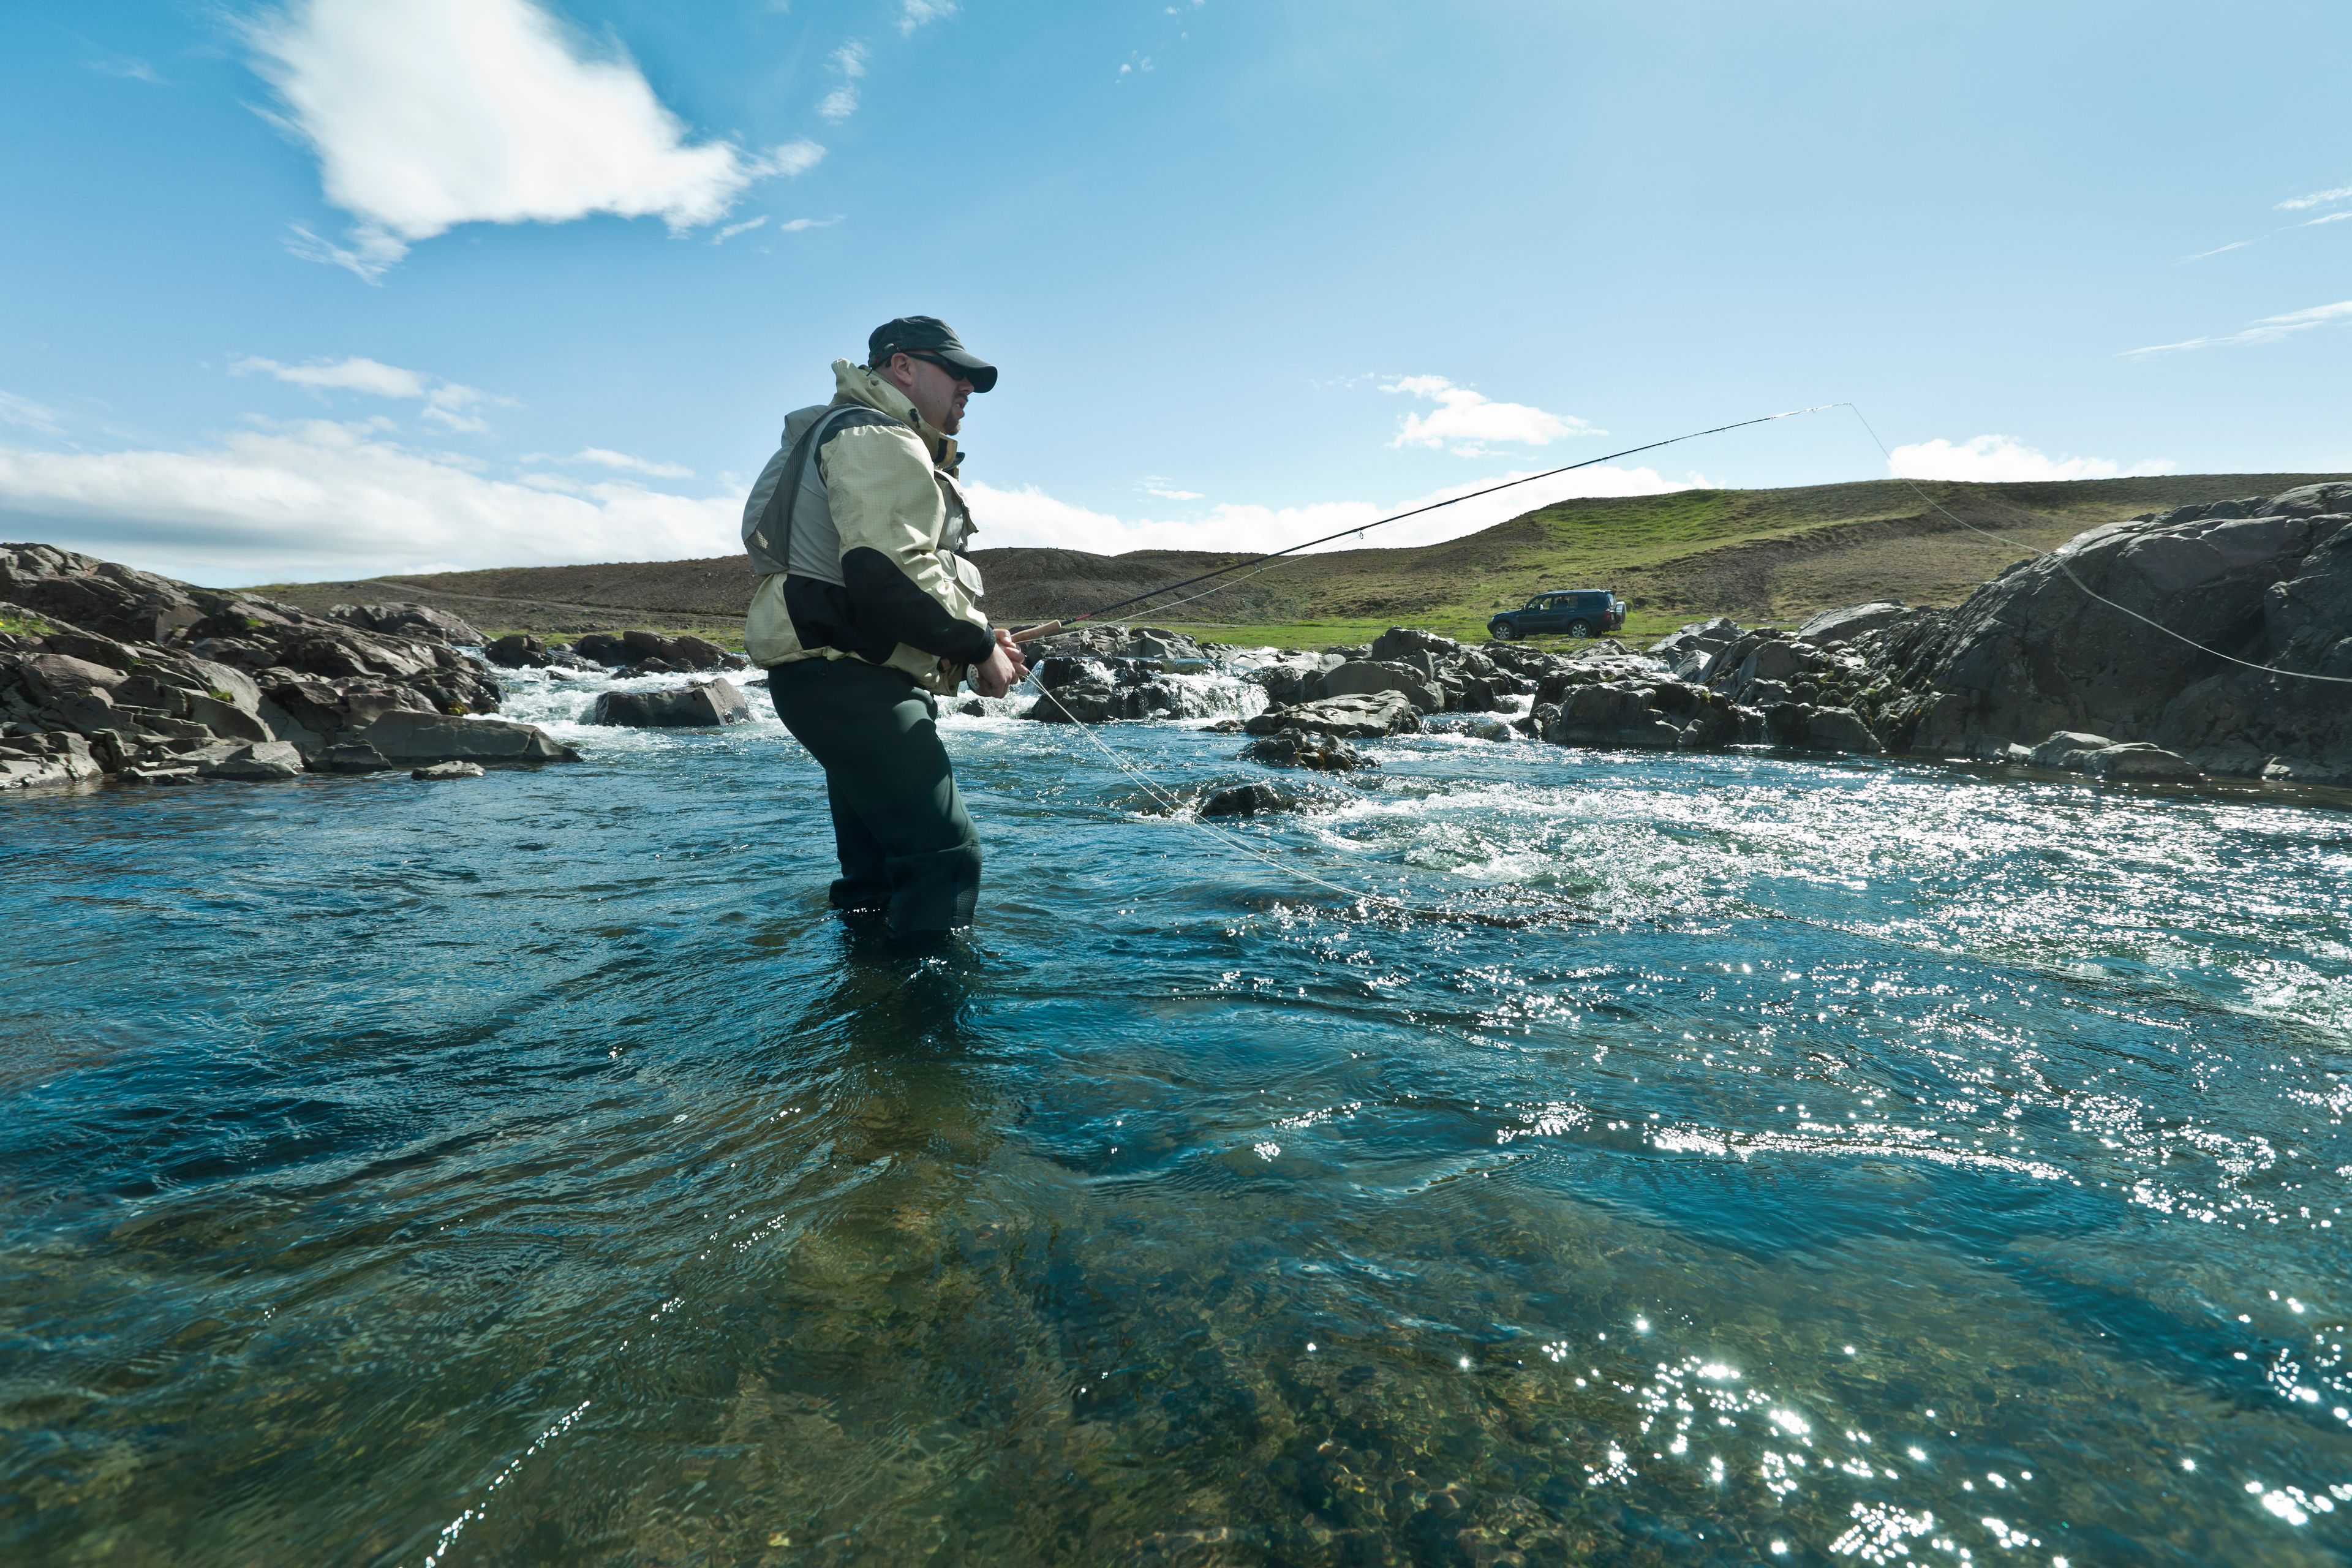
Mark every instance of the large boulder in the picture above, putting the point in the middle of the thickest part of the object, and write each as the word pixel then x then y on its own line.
pixel 1362 716
pixel 1612 715
pixel 705 705
pixel 2122 631
pixel 404 739
pixel 517 650
pixel 1073 690
pixel 656 653
pixel 419 622
pixel 1363 676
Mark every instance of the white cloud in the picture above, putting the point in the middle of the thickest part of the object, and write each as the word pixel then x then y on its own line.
pixel 2268 329
pixel 32 415
pixel 801 224
pixel 606 457
pixel 1466 421
pixel 2003 459
pixel 445 401
pixel 913 14
pixel 1029 516
pixel 850 61
pixel 426 114
pixel 320 498
pixel 2315 199
pixel 1153 484
pixel 732 229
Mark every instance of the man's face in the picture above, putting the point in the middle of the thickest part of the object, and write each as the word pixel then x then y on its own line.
pixel 938 394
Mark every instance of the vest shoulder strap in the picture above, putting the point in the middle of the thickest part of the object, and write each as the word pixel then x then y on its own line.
pixel 776 520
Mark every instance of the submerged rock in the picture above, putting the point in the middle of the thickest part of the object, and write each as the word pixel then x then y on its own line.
pixel 1246 800
pixel 441 771
pixel 1307 749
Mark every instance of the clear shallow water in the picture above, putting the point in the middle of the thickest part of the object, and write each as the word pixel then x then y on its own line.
pixel 1885 1164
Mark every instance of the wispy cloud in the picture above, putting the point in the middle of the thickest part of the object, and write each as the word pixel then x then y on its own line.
pixel 732 229
pixel 2315 199
pixel 842 101
pixel 2297 204
pixel 1157 485
pixel 914 14
pixel 2004 459
pixel 605 457
pixel 799 224
pixel 445 401
pixel 28 414
pixel 2268 329
pixel 128 71
pixel 426 114
pixel 1467 421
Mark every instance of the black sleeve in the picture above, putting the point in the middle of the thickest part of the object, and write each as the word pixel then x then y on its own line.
pixel 888 604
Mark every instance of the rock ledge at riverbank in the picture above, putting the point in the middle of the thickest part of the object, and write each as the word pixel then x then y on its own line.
pixel 106 672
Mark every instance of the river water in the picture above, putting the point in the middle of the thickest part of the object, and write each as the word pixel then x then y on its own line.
pixel 1702 1160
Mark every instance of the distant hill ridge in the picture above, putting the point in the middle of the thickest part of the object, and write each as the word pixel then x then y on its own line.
pixel 1753 554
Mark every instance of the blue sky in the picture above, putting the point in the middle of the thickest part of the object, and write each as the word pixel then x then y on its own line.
pixel 343 286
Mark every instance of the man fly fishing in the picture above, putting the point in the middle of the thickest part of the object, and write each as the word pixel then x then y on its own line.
pixel 867 611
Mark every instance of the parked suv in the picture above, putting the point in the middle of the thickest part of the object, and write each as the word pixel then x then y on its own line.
pixel 1574 611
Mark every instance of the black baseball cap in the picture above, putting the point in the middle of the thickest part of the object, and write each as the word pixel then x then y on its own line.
pixel 928 335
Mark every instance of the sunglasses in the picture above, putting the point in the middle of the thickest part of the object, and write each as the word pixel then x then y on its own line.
pixel 955 371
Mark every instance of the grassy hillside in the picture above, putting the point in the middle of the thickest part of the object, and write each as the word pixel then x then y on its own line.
pixel 1755 554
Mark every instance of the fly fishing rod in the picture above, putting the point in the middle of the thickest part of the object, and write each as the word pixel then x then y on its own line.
pixel 1049 628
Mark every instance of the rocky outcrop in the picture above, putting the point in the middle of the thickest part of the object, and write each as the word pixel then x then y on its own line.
pixel 418 623
pixel 2133 631
pixel 167 682
pixel 705 705
pixel 652 653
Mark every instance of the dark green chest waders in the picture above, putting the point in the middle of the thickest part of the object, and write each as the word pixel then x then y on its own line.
pixel 905 843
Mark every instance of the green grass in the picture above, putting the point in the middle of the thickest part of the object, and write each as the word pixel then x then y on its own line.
pixel 24 626
pixel 1759 556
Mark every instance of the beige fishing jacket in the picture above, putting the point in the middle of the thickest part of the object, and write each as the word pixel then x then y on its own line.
pixel 874 568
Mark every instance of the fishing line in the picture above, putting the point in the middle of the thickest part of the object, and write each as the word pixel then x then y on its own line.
pixel 1260 560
